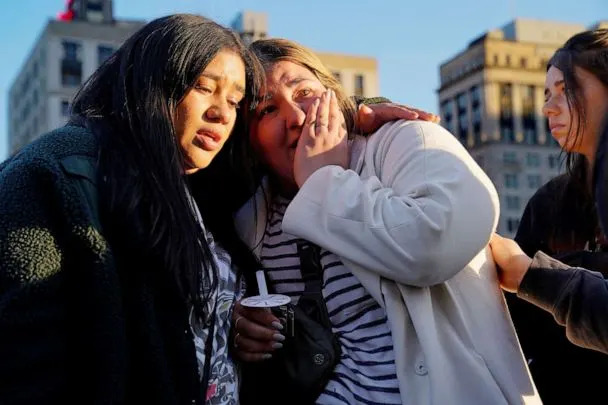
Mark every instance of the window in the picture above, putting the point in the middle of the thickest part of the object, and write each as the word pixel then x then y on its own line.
pixel 337 76
pixel 475 95
pixel 511 181
pixel 71 66
pixel 508 60
pixel 94 5
pixel 528 100
pixel 523 63
pixel 495 60
pixel 65 108
pixel 359 85
pixel 506 113
pixel 529 115
pixel 103 53
pixel 533 159
pixel 463 119
pixel 553 161
pixel 512 202
pixel 512 224
pixel 94 11
pixel 70 50
pixel 447 118
pixel 509 157
pixel 534 181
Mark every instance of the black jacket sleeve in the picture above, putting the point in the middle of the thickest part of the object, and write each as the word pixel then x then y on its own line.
pixel 577 298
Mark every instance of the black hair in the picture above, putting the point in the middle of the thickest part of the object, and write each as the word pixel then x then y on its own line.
pixel 130 103
pixel 587 50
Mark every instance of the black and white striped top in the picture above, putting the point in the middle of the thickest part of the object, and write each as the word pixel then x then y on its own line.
pixel 366 371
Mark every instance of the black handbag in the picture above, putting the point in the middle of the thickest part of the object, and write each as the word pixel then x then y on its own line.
pixel 298 372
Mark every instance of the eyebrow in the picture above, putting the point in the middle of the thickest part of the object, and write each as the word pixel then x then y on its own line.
pixel 217 78
pixel 296 80
pixel 289 83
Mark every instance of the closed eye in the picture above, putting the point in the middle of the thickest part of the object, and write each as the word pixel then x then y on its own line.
pixel 267 109
pixel 203 89
pixel 234 103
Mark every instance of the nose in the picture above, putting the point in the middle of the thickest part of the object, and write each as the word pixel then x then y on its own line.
pixel 550 108
pixel 294 114
pixel 219 111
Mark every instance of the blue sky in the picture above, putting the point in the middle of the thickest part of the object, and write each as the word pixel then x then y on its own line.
pixel 409 38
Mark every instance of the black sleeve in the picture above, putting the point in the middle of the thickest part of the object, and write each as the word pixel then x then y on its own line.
pixel 33 338
pixel 358 100
pixel 577 298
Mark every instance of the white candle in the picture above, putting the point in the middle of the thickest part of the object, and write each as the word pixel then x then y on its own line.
pixel 262 289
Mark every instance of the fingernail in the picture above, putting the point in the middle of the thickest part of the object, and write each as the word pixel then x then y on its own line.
pixel 365 108
pixel 277 345
pixel 278 337
pixel 266 356
pixel 277 325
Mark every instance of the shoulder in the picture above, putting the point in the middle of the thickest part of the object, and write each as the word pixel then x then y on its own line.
pixel 57 152
pixel 549 192
pixel 416 141
pixel 415 134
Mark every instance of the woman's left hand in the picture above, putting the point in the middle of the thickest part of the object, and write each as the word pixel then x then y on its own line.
pixel 323 140
pixel 370 117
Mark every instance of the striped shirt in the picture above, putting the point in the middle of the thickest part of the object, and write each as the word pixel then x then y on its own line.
pixel 222 387
pixel 366 371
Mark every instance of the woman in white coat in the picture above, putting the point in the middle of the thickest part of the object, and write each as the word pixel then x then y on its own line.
pixel 402 219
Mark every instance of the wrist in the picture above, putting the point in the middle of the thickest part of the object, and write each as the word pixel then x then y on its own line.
pixel 523 266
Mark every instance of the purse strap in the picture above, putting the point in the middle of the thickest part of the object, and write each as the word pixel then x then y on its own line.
pixel 312 274
pixel 310 267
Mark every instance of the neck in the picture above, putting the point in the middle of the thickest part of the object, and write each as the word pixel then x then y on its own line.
pixel 282 187
pixel 590 156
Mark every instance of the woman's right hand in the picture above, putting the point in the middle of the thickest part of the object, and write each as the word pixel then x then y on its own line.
pixel 512 262
pixel 256 333
pixel 323 140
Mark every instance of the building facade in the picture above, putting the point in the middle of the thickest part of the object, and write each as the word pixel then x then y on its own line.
pixel 357 74
pixel 66 53
pixel 491 97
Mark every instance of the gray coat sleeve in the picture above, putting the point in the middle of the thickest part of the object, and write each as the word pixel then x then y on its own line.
pixel 577 298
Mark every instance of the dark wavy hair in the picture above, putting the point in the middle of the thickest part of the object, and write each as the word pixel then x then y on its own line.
pixel 130 104
pixel 587 50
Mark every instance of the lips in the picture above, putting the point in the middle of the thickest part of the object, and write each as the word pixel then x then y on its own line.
pixel 553 127
pixel 208 140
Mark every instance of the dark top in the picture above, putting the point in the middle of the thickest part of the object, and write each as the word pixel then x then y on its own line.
pixel 75 327
pixel 563 373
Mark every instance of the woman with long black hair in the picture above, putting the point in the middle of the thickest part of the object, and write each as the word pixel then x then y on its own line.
pixel 114 286
pixel 561 220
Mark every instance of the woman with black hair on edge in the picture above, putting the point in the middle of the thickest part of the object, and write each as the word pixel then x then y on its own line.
pixel 114 287
pixel 561 222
